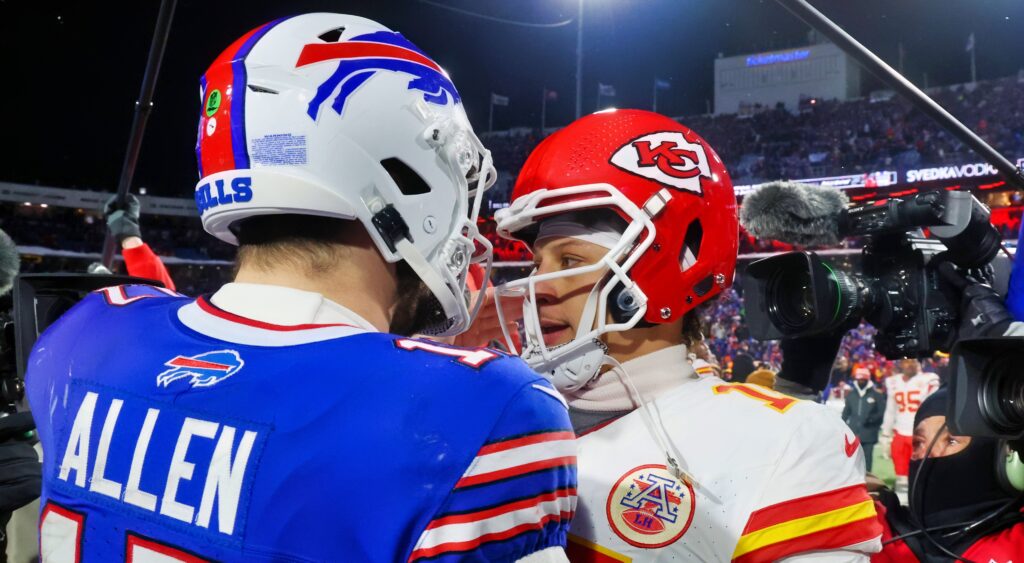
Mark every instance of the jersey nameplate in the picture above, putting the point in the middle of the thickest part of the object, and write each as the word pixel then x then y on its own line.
pixel 159 460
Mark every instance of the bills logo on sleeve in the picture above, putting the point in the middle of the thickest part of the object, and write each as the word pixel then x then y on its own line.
pixel 648 507
pixel 201 370
pixel 667 158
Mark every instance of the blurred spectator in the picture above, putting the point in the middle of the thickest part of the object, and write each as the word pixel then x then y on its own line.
pixel 864 411
pixel 763 377
pixel 743 363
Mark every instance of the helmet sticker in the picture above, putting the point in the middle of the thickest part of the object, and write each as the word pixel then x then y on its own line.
pixel 212 102
pixel 667 158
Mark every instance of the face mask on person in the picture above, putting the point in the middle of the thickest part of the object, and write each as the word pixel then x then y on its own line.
pixel 957 480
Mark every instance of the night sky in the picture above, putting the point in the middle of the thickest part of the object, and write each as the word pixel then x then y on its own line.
pixel 73 69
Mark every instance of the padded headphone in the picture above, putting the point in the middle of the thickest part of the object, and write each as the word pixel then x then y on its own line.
pixel 1009 468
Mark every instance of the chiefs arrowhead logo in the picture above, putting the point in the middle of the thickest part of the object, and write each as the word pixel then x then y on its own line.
pixel 667 158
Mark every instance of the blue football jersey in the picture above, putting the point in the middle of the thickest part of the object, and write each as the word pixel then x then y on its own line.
pixel 176 431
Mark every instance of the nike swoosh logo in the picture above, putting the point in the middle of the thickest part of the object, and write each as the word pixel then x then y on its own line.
pixel 851 447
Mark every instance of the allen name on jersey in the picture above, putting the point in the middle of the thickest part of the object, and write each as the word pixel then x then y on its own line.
pixel 206 467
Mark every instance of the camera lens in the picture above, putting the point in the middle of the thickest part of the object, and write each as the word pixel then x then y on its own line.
pixel 1002 394
pixel 799 306
pixel 791 300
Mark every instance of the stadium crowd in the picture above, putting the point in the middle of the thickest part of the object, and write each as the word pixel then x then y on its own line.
pixel 828 137
pixel 823 138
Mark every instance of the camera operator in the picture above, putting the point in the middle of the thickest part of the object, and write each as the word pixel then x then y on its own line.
pixel 957 493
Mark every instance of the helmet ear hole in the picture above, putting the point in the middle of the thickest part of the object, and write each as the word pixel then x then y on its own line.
pixel 408 181
pixel 691 245
pixel 704 286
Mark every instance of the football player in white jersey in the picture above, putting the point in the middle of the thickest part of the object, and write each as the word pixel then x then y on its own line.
pixel 632 221
pixel 905 392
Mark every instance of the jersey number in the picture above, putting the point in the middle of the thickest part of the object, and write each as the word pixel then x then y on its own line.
pixel 118 297
pixel 908 401
pixel 767 397
pixel 60 539
pixel 472 357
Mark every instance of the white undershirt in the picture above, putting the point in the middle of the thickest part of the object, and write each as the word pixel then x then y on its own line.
pixel 653 374
pixel 286 306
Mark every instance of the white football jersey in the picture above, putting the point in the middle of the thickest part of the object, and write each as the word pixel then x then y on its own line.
pixel 775 478
pixel 903 398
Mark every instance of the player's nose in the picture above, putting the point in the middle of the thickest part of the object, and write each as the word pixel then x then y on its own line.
pixel 545 292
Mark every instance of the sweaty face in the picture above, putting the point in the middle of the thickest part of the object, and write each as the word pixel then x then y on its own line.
pixel 561 301
pixel 947 444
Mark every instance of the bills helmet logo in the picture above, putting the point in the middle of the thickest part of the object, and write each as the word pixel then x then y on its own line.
pixel 202 370
pixel 649 507
pixel 667 158
pixel 362 57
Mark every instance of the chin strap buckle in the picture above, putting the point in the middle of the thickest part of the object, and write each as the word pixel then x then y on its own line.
pixel 657 202
pixel 391 226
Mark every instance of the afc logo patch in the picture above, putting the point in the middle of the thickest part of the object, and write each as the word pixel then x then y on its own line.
pixel 667 158
pixel 648 507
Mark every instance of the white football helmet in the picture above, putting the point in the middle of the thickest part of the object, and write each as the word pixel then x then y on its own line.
pixel 338 116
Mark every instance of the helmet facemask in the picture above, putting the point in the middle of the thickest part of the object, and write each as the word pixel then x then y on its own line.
pixel 574 364
pixel 445 271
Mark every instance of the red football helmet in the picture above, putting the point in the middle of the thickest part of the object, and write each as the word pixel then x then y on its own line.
pixel 679 247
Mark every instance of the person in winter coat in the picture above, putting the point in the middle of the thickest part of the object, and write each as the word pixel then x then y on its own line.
pixel 864 410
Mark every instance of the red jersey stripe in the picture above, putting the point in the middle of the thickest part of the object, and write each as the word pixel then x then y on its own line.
pixel 525 441
pixel 503 509
pixel 514 471
pixel 848 534
pixel 806 506
pixel 497 536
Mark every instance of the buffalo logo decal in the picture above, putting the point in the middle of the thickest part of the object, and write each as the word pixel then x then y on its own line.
pixel 362 57
pixel 667 158
pixel 201 370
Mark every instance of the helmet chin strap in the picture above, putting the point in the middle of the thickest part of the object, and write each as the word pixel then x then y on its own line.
pixel 655 426
pixel 573 371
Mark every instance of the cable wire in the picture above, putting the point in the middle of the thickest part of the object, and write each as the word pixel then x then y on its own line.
pixel 913 513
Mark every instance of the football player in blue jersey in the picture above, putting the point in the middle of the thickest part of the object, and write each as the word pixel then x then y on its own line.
pixel 285 416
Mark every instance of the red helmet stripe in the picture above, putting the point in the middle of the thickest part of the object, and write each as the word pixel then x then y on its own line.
pixel 318 52
pixel 222 144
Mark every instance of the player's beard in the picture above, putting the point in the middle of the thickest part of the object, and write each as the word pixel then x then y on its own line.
pixel 417 309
